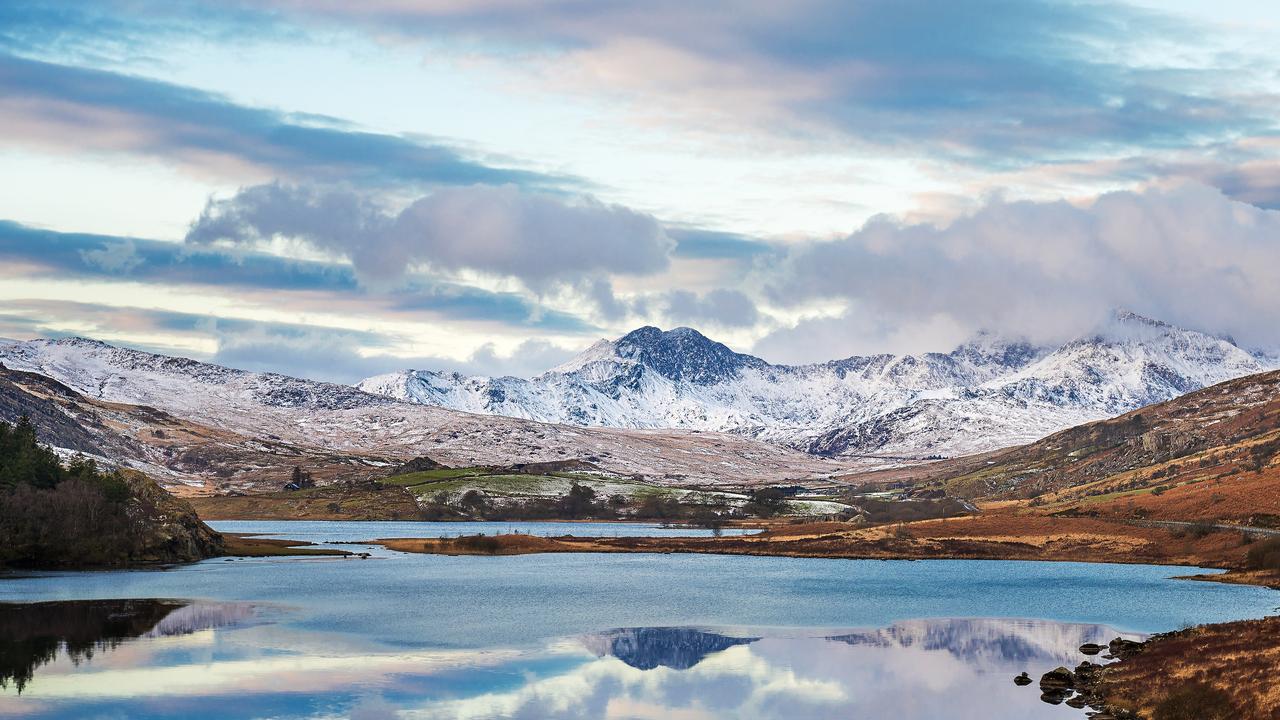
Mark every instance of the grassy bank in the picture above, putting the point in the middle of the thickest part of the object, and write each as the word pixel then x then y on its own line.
pixel 1224 671
pixel 243 545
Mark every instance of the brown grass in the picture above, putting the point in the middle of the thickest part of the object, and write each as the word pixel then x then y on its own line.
pixel 491 545
pixel 240 545
pixel 1001 536
pixel 1238 660
pixel 361 501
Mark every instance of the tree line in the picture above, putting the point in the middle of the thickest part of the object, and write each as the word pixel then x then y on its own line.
pixel 56 514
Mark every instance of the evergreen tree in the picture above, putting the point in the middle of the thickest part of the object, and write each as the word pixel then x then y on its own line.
pixel 23 460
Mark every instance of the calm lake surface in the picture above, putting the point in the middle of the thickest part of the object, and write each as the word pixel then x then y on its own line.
pixel 571 636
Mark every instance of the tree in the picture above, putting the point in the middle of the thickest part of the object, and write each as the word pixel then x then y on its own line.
pixel 56 515
pixel 474 502
pixel 300 479
pixel 24 460
pixel 766 502
pixel 579 502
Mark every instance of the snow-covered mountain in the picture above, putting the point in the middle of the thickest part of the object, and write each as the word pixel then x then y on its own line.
pixel 259 415
pixel 985 394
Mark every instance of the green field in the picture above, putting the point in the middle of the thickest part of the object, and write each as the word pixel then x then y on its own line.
pixel 503 485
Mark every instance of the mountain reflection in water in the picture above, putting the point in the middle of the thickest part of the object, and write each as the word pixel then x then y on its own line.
pixel 648 648
pixel 912 670
pixel 989 641
pixel 32 635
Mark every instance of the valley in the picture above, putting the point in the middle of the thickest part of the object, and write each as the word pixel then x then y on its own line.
pixel 1185 482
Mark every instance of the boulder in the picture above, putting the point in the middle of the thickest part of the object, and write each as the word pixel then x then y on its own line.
pixel 1121 648
pixel 1058 678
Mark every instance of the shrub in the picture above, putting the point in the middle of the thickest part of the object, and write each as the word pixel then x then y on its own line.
pixel 1201 529
pixel 479 543
pixel 1196 701
pixel 1264 555
pixel 766 502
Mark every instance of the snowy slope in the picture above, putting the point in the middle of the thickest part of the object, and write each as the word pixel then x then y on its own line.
pixel 342 419
pixel 986 394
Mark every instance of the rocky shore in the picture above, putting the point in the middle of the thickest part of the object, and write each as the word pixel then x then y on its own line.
pixel 1225 671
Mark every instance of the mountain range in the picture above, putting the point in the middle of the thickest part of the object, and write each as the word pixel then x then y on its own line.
pixel 674 406
pixel 988 393
pixel 219 429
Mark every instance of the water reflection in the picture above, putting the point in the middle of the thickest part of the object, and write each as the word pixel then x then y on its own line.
pixel 648 648
pixel 988 641
pixel 36 634
pixel 197 660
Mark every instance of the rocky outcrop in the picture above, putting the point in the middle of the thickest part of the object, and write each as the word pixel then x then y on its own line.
pixel 169 530
pixel 422 463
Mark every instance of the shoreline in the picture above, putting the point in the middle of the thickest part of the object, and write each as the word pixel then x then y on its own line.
pixel 1216 671
pixel 1012 537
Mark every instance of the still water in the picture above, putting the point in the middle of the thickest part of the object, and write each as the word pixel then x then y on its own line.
pixel 573 636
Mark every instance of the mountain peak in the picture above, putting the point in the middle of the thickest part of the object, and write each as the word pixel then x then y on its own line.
pixel 648 335
pixel 988 348
pixel 1128 317
pixel 683 354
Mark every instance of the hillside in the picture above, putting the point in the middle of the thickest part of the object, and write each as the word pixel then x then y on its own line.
pixel 989 393
pixel 187 457
pixel 1210 454
pixel 542 491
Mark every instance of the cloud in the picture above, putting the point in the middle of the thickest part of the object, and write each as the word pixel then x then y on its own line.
pixel 503 231
pixel 79 109
pixel 332 356
pixel 304 284
pixel 315 351
pixel 1184 253
pixel 728 308
pixel 995 82
pixel 854 332
pixel 705 244
pixel 116 257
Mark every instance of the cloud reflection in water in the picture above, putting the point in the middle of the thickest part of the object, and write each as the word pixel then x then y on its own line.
pixel 915 669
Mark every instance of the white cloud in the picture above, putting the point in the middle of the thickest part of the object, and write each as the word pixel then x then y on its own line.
pixel 1183 253
pixel 540 239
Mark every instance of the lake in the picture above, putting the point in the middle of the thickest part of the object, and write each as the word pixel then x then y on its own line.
pixel 572 635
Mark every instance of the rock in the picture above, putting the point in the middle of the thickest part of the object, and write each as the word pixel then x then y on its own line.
pixel 1078 702
pixel 1055 697
pixel 1056 685
pixel 1086 673
pixel 1092 648
pixel 1058 678
pixel 1022 680
pixel 1121 649
pixel 421 463
pixel 170 531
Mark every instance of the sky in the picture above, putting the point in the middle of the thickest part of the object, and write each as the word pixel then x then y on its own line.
pixel 336 190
